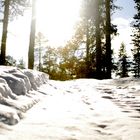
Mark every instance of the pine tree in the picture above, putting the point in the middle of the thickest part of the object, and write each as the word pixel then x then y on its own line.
pixel 108 39
pixel 98 41
pixel 12 9
pixel 88 16
pixel 123 64
pixel 4 32
pixel 21 64
pixel 136 39
pixel 136 64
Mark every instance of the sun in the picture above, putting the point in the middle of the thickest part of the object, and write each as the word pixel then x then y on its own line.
pixel 56 19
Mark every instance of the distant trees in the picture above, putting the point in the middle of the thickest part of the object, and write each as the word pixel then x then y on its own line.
pixel 65 63
pixel 88 54
pixel 49 65
pixel 11 9
pixel 40 48
pixel 21 64
pixel 10 61
pixel 96 19
pixel 136 39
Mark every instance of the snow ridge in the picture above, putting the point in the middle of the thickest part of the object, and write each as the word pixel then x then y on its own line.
pixel 18 92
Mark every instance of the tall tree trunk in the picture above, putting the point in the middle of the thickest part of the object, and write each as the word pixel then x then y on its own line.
pixel 98 42
pixel 87 50
pixel 40 55
pixel 32 37
pixel 4 32
pixel 108 40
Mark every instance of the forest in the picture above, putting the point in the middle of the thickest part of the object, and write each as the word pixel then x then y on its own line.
pixel 88 54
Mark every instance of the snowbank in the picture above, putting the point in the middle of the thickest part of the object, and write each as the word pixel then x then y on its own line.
pixel 18 92
pixel 82 109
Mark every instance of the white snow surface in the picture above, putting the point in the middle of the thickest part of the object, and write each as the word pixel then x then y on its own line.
pixel 18 92
pixel 82 109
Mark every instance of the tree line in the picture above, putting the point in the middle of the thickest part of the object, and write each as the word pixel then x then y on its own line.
pixel 89 53
pixel 10 10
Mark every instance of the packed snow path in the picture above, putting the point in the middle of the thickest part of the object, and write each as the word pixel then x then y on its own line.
pixel 83 109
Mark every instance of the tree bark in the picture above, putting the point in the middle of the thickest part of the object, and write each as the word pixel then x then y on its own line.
pixel 98 42
pixel 4 32
pixel 32 37
pixel 108 40
pixel 87 50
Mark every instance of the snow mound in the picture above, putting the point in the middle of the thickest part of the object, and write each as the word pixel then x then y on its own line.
pixel 18 92
pixel 81 109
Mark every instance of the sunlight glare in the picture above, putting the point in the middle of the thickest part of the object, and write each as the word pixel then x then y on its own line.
pixel 56 19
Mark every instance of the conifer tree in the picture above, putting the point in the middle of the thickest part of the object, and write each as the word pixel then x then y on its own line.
pixel 136 39
pixel 123 64
pixel 4 32
pixel 108 38
pixel 12 8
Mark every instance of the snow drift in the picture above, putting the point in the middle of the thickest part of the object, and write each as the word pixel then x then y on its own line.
pixel 18 92
pixel 81 109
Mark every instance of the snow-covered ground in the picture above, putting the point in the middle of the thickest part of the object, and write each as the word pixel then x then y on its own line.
pixel 82 109
pixel 18 92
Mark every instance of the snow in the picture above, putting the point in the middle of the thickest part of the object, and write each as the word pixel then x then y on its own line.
pixel 82 109
pixel 17 92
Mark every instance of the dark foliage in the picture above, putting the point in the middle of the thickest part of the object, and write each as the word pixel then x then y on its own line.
pixel 136 40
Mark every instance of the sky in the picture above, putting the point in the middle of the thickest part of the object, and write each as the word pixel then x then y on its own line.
pixel 19 29
pixel 122 18
pixel 127 8
pixel 57 26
